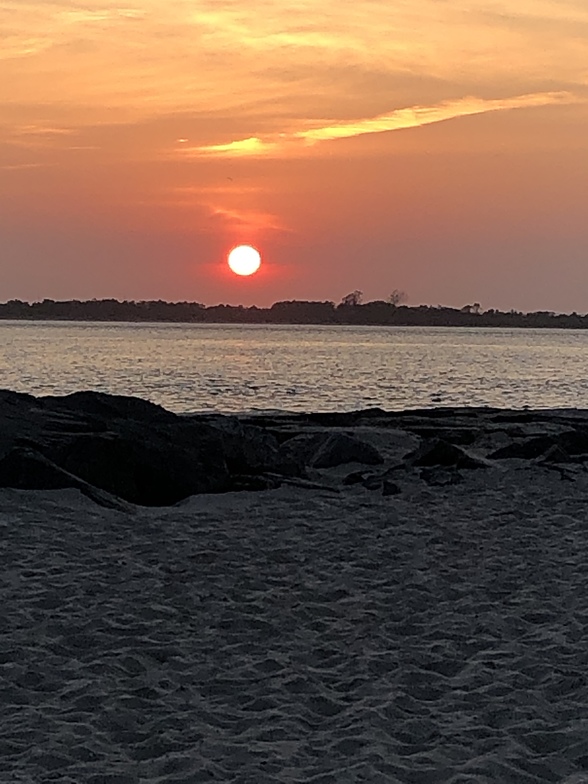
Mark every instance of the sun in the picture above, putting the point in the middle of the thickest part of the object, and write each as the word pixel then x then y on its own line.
pixel 244 260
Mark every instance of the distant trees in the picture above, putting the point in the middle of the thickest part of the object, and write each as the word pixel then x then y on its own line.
pixel 475 309
pixel 353 299
pixel 396 297
pixel 296 312
pixel 351 310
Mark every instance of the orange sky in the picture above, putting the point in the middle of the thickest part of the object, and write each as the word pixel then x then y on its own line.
pixel 433 146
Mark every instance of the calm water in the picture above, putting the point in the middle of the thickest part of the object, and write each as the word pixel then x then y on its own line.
pixel 232 368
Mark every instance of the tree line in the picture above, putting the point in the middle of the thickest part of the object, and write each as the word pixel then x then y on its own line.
pixel 350 310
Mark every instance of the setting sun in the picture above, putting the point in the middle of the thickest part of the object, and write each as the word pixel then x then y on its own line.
pixel 244 260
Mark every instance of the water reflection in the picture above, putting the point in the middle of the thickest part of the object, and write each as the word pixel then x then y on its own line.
pixel 241 368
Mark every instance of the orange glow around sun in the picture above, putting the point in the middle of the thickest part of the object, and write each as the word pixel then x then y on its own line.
pixel 244 260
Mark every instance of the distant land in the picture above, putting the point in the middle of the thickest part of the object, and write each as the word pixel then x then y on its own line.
pixel 349 311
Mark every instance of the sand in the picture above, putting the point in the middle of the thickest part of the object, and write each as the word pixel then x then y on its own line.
pixel 295 635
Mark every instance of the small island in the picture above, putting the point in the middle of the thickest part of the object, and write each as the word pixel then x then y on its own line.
pixel 351 310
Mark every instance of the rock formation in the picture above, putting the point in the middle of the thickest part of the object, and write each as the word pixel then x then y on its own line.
pixel 114 447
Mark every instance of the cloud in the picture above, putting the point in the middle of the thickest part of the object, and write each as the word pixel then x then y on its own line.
pixel 416 116
pixel 247 219
pixel 271 78
pixel 409 117
pixel 251 146
pixel 23 166
pixel 153 56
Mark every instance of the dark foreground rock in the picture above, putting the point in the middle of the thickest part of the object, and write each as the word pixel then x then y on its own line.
pixel 114 447
pixel 438 452
pixel 127 447
pixel 26 469
pixel 327 450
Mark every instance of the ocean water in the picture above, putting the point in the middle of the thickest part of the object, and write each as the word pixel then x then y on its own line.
pixel 236 368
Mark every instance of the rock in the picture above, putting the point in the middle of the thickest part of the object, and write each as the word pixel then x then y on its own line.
pixel 152 457
pixel 529 449
pixel 438 452
pixel 25 469
pixel 439 476
pixel 574 442
pixel 113 445
pixel 248 482
pixel 452 434
pixel 15 399
pixel 301 449
pixel 516 416
pixel 340 448
pixel 373 482
pixel 390 488
pixel 137 450
pixel 109 407
pixel 355 478
pixel 555 454
pixel 249 449
pixel 152 471
pixel 328 450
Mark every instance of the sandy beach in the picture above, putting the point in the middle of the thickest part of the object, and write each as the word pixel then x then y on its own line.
pixel 330 635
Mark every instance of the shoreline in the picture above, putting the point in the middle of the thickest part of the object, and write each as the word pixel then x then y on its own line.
pixel 126 449
pixel 478 324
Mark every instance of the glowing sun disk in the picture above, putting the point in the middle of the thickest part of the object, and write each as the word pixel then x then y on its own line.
pixel 244 260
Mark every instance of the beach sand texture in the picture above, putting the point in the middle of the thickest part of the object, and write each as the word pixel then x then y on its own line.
pixel 438 635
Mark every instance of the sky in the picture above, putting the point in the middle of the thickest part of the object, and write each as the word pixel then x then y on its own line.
pixel 439 147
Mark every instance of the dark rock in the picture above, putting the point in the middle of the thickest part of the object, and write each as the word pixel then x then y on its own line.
pixel 152 471
pixel 390 488
pixel 105 406
pixel 16 399
pixel 327 450
pixel 302 448
pixel 574 442
pixel 137 450
pixel 555 454
pixel 249 449
pixel 355 478
pixel 124 446
pixel 372 482
pixel 445 412
pixel 26 469
pixel 334 418
pixel 110 444
pixel 453 435
pixel 438 452
pixel 516 416
pixel 340 448
pixel 244 482
pixel 524 450
pixel 438 476
pixel 372 413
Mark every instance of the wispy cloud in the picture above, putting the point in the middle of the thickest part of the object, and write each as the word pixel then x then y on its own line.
pixel 247 219
pixel 235 206
pixel 39 130
pixel 251 146
pixel 409 117
pixel 23 166
pixel 416 116
pixel 39 136
pixel 153 56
